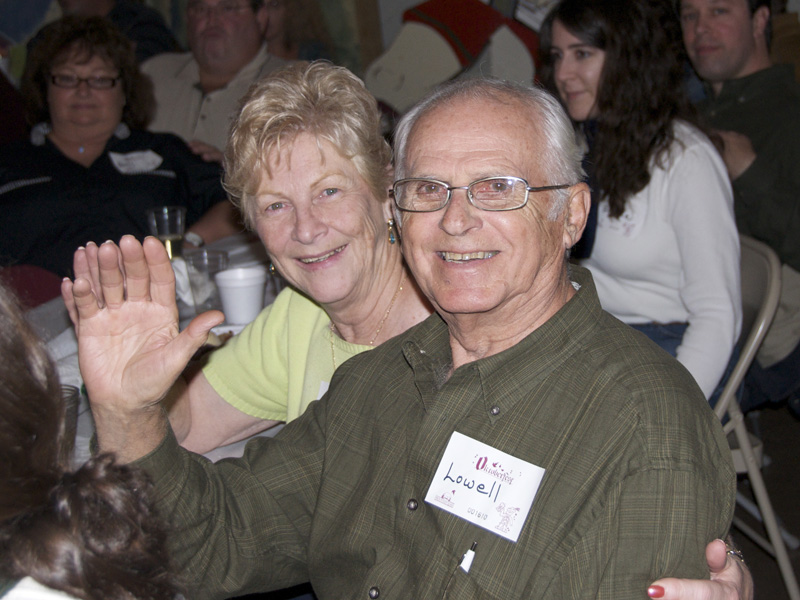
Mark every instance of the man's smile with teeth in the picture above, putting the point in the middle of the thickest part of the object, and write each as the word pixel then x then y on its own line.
pixel 458 257
pixel 309 261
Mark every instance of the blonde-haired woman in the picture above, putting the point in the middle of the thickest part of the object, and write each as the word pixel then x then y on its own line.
pixel 311 173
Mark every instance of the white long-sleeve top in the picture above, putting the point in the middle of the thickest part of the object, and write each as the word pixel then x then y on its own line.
pixel 673 255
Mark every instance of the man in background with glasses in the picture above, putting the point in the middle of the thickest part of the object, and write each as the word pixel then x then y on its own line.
pixel 519 443
pixel 198 92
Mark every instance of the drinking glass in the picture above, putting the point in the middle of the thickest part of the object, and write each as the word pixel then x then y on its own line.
pixel 168 224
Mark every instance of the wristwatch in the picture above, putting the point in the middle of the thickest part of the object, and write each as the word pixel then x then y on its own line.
pixel 194 239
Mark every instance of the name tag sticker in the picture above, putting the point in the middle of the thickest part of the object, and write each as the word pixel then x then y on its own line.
pixel 485 486
pixel 136 162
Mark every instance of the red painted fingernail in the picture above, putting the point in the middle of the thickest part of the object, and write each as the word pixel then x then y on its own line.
pixel 655 591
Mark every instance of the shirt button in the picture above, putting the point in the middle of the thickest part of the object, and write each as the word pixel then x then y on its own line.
pixel 412 504
pixel 374 592
pixel 495 410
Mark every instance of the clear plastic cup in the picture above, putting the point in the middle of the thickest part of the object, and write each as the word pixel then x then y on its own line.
pixel 168 224
pixel 202 265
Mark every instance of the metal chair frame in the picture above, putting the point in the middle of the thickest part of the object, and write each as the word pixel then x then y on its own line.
pixel 761 286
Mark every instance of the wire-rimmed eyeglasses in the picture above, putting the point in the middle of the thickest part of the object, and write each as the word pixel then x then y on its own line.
pixel 72 81
pixel 490 193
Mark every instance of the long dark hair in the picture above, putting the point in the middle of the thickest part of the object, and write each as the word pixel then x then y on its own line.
pixel 641 91
pixel 82 38
pixel 92 533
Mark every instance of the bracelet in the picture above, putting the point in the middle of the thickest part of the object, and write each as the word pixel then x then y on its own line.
pixel 194 238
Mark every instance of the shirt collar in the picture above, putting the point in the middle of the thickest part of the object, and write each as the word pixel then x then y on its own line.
pixel 513 373
pixel 191 71
pixel 751 85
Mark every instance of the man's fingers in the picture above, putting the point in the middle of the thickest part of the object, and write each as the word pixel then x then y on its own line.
pixel 84 301
pixel 189 341
pixel 80 264
pixel 202 324
pixel 94 271
pixel 112 280
pixel 84 266
pixel 137 272
pixel 162 277
pixel 69 301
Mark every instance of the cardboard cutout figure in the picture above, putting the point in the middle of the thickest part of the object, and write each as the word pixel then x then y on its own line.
pixel 443 39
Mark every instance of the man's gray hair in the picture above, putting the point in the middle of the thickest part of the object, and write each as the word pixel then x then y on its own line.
pixel 561 159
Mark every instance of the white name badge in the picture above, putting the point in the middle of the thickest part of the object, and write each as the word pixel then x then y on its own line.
pixel 485 486
pixel 136 162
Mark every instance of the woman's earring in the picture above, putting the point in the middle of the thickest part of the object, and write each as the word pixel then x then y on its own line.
pixel 272 270
pixel 392 236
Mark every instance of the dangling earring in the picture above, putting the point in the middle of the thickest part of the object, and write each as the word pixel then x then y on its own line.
pixel 272 270
pixel 392 236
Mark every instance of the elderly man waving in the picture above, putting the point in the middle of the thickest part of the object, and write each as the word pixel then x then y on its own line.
pixel 519 443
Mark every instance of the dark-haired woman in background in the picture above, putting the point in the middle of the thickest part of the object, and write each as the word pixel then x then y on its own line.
pixel 89 170
pixel 665 257
pixel 92 533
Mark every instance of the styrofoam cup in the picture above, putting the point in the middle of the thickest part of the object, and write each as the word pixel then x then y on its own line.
pixel 242 293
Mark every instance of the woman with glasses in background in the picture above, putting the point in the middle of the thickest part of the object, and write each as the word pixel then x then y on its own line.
pixel 89 170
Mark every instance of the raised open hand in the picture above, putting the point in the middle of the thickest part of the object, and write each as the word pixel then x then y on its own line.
pixel 129 349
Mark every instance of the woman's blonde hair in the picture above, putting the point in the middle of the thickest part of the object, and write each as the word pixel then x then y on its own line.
pixel 318 98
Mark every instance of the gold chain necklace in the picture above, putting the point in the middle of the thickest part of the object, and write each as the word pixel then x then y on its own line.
pixel 333 329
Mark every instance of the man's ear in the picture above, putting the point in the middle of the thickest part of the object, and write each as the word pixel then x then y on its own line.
pixel 576 213
pixel 760 21
pixel 262 18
